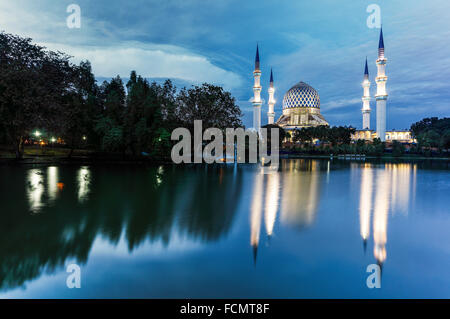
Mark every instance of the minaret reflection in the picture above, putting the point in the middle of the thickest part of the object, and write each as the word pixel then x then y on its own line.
pixel 52 182
pixel 296 186
pixel 272 196
pixel 380 216
pixel 255 214
pixel 35 189
pixel 386 190
pixel 365 203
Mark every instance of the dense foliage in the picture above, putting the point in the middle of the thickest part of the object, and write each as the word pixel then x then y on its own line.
pixel 41 89
pixel 432 132
pixel 334 135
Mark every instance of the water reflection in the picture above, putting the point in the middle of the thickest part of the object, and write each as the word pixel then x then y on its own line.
pixel 365 202
pixel 52 182
pixel 137 205
pixel 380 216
pixel 256 212
pixel 384 189
pixel 148 206
pixel 300 192
pixel 84 180
pixel 35 189
pixel 271 209
pixel 297 185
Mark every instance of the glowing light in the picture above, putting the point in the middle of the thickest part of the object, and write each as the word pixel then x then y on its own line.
pixel 380 217
pixel 84 181
pixel 272 195
pixel 35 189
pixel 37 133
pixel 255 217
pixel 53 140
pixel 365 202
pixel 52 182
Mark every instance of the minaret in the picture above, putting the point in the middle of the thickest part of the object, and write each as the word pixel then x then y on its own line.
pixel 271 113
pixel 381 96
pixel 257 94
pixel 366 99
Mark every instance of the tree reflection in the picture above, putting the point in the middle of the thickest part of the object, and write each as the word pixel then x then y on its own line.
pixel 136 204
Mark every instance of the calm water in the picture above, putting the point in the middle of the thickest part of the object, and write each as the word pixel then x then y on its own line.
pixel 309 230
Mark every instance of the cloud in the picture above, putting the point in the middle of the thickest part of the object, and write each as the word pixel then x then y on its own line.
pixel 336 104
pixel 102 43
pixel 150 61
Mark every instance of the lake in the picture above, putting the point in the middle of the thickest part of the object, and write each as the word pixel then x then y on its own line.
pixel 309 230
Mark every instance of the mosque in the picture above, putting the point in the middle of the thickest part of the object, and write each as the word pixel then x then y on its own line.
pixel 301 104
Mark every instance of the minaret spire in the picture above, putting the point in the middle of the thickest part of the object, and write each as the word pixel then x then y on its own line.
pixel 257 93
pixel 257 58
pixel 381 95
pixel 271 78
pixel 271 113
pixel 366 99
pixel 366 71
pixel 381 44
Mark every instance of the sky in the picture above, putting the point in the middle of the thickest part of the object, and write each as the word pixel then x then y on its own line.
pixel 323 43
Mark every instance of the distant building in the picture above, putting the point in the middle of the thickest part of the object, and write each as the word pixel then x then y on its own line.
pixel 402 136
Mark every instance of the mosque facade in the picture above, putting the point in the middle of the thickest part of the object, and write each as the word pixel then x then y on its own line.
pixel 301 104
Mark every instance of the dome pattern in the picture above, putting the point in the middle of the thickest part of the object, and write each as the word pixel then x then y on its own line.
pixel 301 95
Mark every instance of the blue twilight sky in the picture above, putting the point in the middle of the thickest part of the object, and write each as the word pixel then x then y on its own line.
pixel 323 43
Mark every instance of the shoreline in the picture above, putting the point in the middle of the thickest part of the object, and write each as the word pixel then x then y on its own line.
pixel 42 160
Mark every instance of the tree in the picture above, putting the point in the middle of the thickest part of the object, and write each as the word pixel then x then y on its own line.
pixel 397 148
pixel 143 113
pixel 109 124
pixel 209 103
pixel 302 135
pixel 84 107
pixel 432 132
pixel 34 86
pixel 377 147
pixel 445 140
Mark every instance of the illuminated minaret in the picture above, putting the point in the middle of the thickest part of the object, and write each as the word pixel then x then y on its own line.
pixel 271 113
pixel 381 96
pixel 257 94
pixel 366 99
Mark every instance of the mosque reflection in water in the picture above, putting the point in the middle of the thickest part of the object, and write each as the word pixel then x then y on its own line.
pixel 53 214
pixel 386 189
pixel 294 194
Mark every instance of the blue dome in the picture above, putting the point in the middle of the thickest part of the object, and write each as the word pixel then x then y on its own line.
pixel 301 95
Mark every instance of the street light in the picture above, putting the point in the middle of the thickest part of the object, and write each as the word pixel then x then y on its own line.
pixel 37 133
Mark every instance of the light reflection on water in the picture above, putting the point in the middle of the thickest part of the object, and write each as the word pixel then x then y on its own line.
pixel 84 180
pixel 156 214
pixel 35 189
